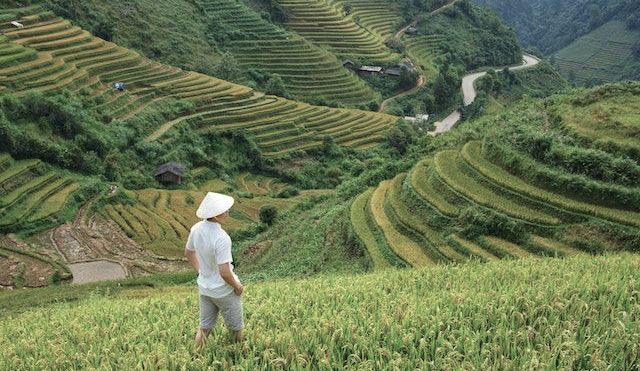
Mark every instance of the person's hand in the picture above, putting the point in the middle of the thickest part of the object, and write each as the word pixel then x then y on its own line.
pixel 238 289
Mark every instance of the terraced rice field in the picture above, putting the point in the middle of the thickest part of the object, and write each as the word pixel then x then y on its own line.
pixel 599 56
pixel 49 54
pixel 22 268
pixel 423 49
pixel 161 219
pixel 31 194
pixel 307 70
pixel 419 214
pixel 326 25
pixel 379 17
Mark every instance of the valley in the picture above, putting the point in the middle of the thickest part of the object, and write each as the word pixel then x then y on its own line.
pixel 412 187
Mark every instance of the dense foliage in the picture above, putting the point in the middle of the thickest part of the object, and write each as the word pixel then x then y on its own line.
pixel 549 25
pixel 65 129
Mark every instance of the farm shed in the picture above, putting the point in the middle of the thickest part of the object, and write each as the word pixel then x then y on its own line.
pixel 170 173
pixel 348 63
pixel 370 70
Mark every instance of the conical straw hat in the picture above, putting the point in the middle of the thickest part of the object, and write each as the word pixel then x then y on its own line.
pixel 214 204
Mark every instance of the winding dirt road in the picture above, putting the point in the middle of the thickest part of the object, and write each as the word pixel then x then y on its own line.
pixel 469 92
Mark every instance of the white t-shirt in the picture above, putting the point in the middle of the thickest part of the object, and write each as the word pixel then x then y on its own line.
pixel 212 246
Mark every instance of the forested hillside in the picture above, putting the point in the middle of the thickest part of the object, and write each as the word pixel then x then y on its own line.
pixel 550 25
pixel 591 41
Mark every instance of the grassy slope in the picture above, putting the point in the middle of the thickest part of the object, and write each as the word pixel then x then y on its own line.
pixel 168 31
pixel 309 240
pixel 574 313
pixel 603 55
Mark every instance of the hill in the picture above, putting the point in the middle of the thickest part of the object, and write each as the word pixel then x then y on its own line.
pixel 528 186
pixel 579 312
pixel 592 41
pixel 609 53
pixel 551 25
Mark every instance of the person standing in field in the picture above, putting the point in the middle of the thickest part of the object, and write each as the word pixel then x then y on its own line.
pixel 208 250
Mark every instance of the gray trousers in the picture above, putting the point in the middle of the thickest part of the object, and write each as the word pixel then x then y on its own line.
pixel 230 306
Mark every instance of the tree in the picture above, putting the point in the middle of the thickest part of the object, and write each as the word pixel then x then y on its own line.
pixel 227 68
pixel 275 86
pixel 268 214
pixel 400 137
pixel 446 86
pixel 407 79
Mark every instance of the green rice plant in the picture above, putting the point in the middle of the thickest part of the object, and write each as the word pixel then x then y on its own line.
pixel 140 233
pixel 428 187
pixel 54 204
pixel 361 228
pixel 473 248
pixel 449 166
pixel 435 247
pixel 403 246
pixel 26 188
pixel 17 169
pixel 472 154
pixel 510 248
pixel 554 245
pixel 32 201
pixel 110 212
pixel 435 318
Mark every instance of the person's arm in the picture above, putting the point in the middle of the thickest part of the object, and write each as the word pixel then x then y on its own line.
pixel 227 276
pixel 192 258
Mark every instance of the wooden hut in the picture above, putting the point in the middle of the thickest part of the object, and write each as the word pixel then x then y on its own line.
pixel 170 173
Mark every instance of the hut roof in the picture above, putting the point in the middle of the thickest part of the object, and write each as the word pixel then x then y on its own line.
pixel 171 167
pixel 371 69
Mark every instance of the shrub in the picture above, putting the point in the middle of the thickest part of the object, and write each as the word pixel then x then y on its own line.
pixel 288 192
pixel 268 214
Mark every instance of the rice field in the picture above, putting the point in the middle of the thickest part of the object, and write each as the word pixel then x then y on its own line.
pixel 579 312
pixel 326 25
pixel 31 194
pixel 50 53
pixel 599 56
pixel 307 70
pixel 379 17
pixel 470 203
pixel 160 220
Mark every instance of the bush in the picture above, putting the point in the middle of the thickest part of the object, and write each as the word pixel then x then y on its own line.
pixel 275 86
pixel 288 192
pixel 268 214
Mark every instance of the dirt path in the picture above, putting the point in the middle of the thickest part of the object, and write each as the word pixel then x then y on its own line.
pixel 469 93
pixel 96 249
pixel 422 79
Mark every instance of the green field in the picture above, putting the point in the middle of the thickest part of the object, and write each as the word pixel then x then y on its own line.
pixel 600 56
pixel 308 71
pixel 50 54
pixel 379 17
pixel 327 25
pixel 160 219
pixel 524 188
pixel 579 312
pixel 33 195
